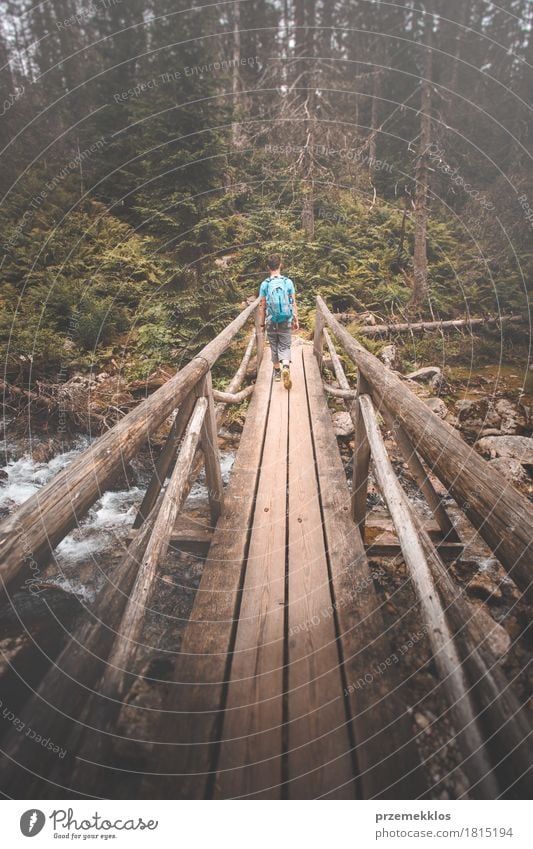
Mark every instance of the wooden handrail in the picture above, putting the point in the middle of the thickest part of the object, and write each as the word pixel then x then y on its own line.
pixel 503 517
pixel 29 534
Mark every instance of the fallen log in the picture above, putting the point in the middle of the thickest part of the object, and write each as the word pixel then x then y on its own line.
pixel 233 397
pixel 345 394
pixel 423 326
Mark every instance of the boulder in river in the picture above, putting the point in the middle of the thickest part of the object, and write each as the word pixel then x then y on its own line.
pixel 426 373
pixel 437 406
pixel 517 447
pixel 512 417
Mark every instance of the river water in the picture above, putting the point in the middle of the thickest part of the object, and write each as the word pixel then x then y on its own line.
pixel 104 530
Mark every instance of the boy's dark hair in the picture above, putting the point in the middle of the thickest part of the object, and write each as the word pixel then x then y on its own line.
pixel 274 262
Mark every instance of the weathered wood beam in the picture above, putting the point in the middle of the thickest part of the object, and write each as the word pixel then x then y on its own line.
pixel 120 666
pixel 361 462
pixel 43 520
pixel 477 763
pixel 232 397
pixel 421 477
pixel 503 517
pixel 209 440
pixel 57 703
pixel 318 340
pixel 345 394
pixel 166 459
pixel 259 338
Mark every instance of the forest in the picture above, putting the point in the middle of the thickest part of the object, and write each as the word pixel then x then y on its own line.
pixel 229 570
pixel 154 152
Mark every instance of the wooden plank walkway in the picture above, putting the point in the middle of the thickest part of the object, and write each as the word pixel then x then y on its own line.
pixel 285 618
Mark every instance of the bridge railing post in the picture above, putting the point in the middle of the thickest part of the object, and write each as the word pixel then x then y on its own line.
pixel 259 338
pixel 318 341
pixel 361 460
pixel 209 443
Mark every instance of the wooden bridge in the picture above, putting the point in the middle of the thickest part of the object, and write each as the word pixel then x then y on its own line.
pixel 269 694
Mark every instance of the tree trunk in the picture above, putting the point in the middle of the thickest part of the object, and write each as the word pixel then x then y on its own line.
pixel 420 269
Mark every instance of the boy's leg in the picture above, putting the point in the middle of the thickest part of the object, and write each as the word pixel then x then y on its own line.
pixel 284 343
pixel 284 352
pixel 272 335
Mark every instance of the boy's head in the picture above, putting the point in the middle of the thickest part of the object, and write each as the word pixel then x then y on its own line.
pixel 274 262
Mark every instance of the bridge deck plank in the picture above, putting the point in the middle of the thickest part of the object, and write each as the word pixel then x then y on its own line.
pixel 319 750
pixel 387 758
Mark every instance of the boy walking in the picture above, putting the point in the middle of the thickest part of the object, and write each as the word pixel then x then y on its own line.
pixel 278 307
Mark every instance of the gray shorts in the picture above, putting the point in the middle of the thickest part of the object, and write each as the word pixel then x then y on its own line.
pixel 279 336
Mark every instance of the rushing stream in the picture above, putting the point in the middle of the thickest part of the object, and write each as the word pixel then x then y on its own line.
pixel 103 531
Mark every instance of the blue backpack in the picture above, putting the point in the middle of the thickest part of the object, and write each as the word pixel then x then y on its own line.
pixel 278 299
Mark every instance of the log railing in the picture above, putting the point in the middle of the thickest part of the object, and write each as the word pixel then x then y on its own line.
pixel 491 727
pixel 29 535
pixel 501 515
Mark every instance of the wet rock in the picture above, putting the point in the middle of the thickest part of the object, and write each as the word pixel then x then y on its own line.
pixel 483 586
pixel 43 452
pixel 3 475
pixel 422 721
pixel 437 406
pixel 439 384
pixel 511 469
pixel 512 417
pixel 343 425
pixel 516 447
pixel 497 637
pixel 388 356
pixel 426 373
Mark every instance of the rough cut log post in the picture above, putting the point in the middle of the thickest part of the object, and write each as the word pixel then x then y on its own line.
pixel 318 341
pixel 122 657
pixel 43 520
pixel 166 459
pixel 503 517
pixel 235 383
pixel 342 380
pixel 233 397
pixel 56 706
pixel 422 326
pixel 361 457
pixel 419 474
pixel 209 440
pixel 259 338
pixel 361 461
pixel 470 741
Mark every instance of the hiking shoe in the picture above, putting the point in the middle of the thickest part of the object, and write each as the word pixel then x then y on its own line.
pixel 287 382
pixel 277 375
